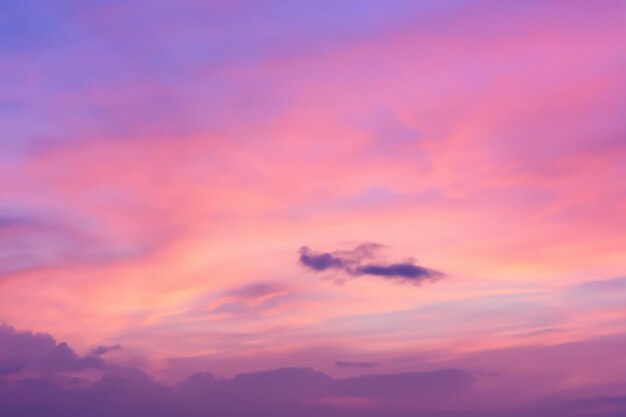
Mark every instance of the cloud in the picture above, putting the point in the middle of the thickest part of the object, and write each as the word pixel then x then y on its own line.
pixel 602 286
pixel 39 241
pixel 10 366
pixel 320 261
pixel 38 378
pixel 363 260
pixel 249 301
pixel 40 354
pixel 307 392
pixel 257 290
pixel 285 392
pixel 304 392
pixel 359 365
pixel 101 350
pixel 405 270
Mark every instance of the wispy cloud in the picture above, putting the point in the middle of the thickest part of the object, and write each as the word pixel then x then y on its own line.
pixel 358 365
pixel 36 242
pixel 101 350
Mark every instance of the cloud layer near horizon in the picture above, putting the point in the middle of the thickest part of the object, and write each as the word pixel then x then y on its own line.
pixel 60 387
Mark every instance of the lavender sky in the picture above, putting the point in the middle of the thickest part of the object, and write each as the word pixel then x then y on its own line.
pixel 345 208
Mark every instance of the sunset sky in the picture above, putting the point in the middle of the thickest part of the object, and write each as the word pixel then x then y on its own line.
pixel 430 192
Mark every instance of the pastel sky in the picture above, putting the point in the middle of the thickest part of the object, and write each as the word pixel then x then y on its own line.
pixel 319 207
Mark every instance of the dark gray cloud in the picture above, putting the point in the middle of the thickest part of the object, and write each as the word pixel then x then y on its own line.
pixel 364 260
pixel 405 270
pixel 321 261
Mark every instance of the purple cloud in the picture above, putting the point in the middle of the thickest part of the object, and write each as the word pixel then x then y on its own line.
pixel 32 385
pixel 101 350
pixel 362 260
pixel 358 365
pixel 39 354
pixel 257 290
pixel 40 241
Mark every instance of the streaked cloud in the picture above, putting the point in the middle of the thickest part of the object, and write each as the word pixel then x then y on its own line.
pixel 357 365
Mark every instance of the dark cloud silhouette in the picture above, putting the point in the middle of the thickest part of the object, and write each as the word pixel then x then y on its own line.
pixel 281 392
pixel 339 259
pixel 404 270
pixel 101 350
pixel 363 260
pixel 359 365
pixel 422 387
pixel 321 261
pixel 289 392
pixel 39 354
pixel 10 366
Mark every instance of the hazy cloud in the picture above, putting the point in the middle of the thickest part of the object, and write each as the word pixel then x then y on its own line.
pixel 257 290
pixel 611 285
pixel 101 350
pixel 359 365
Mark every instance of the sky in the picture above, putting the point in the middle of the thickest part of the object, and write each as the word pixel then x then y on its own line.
pixel 302 208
